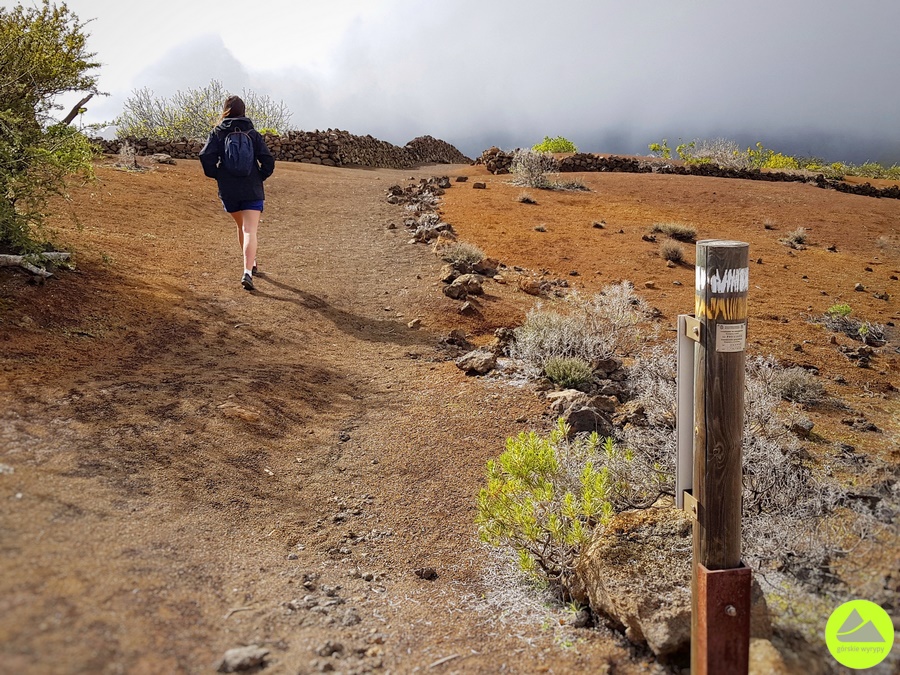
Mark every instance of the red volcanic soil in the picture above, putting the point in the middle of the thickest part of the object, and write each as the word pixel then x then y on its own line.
pixel 188 467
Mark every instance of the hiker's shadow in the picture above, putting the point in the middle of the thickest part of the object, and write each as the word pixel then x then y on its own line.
pixel 363 328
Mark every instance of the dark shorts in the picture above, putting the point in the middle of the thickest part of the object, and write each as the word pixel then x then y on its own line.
pixel 234 207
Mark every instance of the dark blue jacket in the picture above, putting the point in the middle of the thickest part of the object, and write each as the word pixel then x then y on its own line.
pixel 237 188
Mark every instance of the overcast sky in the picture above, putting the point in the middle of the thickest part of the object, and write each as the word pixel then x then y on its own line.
pixel 810 77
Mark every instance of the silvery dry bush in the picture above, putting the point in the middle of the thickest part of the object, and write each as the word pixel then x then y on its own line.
pixel 798 386
pixel 721 151
pixel 192 113
pixel 587 328
pixel 531 169
pixel 790 522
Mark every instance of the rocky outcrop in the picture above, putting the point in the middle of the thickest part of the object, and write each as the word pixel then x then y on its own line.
pixel 495 160
pixel 637 572
pixel 329 148
pixel 478 362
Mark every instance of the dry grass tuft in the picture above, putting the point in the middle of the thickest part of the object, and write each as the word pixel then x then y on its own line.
pixel 796 239
pixel 460 252
pixel 678 231
pixel 671 251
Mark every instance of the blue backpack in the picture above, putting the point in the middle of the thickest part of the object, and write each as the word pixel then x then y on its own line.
pixel 239 156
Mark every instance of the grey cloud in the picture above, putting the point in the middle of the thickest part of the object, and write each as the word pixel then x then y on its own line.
pixel 194 64
pixel 804 77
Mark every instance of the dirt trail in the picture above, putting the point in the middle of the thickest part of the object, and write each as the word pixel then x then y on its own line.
pixel 191 468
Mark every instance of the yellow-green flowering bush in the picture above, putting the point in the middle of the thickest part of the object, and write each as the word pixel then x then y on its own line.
pixel 545 495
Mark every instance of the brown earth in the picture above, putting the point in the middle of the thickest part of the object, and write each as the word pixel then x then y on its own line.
pixel 188 467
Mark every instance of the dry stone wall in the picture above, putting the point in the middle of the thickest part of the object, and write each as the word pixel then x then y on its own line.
pixel 498 161
pixel 330 148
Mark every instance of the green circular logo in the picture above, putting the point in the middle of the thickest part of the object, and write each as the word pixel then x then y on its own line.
pixel 859 634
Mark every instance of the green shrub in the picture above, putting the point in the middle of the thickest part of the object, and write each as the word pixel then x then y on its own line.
pixel 544 497
pixel 558 144
pixel 779 161
pixel 661 149
pixel 44 56
pixel 840 310
pixel 569 373
pixel 677 231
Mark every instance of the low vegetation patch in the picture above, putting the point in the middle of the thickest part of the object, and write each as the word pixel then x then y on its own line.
pixel 526 198
pixel 672 252
pixel 837 318
pixel 679 231
pixel 545 496
pixel 558 144
pixel 569 373
pixel 588 329
pixel 573 185
pixel 796 239
pixel 460 252
pixel 728 154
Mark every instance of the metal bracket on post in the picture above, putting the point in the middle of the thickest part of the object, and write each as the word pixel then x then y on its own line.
pixel 723 624
pixel 688 334
pixel 691 505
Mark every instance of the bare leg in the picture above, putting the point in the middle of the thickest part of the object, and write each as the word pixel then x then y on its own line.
pixel 239 219
pixel 250 223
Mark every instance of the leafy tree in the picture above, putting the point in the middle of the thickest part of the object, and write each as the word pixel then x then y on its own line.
pixel 193 113
pixel 43 54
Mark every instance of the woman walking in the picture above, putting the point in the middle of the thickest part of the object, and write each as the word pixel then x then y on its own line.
pixel 237 157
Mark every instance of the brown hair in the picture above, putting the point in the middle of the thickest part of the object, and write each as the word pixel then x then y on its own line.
pixel 234 107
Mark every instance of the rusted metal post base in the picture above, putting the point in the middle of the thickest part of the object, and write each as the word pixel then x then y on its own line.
pixel 721 642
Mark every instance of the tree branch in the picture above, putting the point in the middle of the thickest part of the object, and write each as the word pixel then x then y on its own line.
pixel 73 113
pixel 27 262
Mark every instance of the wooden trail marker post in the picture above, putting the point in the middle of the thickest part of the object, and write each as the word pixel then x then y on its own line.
pixel 720 585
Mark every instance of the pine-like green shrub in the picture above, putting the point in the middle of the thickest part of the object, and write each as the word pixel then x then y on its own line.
pixel 544 497
pixel 569 373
